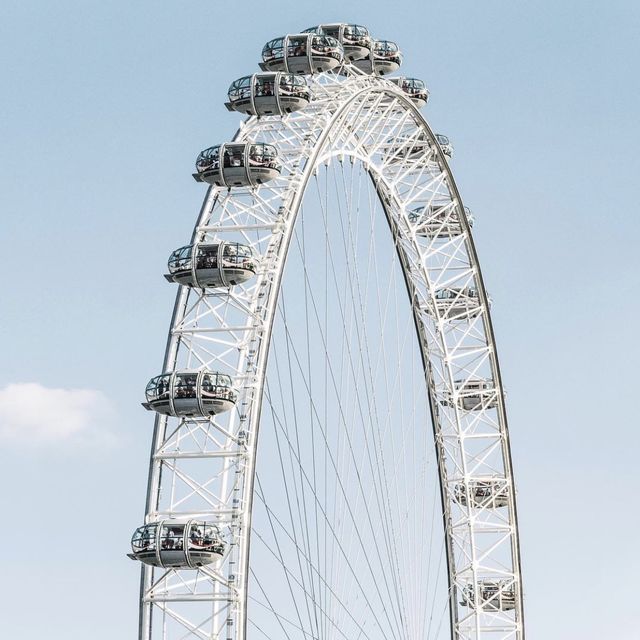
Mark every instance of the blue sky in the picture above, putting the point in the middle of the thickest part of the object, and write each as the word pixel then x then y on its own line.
pixel 106 106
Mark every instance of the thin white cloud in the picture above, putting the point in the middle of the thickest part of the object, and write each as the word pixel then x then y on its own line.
pixel 34 415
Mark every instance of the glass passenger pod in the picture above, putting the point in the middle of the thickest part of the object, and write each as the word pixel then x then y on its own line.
pixel 190 393
pixel 304 53
pixel 492 595
pixel 177 544
pixel 385 57
pixel 354 38
pixel 222 264
pixel 414 88
pixel 445 145
pixel 237 164
pixel 458 303
pixel 268 94
pixel 438 220
pixel 473 395
pixel 484 493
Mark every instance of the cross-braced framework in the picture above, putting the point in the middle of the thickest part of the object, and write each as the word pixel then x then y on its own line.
pixel 204 468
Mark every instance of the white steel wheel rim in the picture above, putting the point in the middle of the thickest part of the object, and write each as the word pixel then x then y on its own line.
pixel 230 331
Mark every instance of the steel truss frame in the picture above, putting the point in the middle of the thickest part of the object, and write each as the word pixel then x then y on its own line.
pixel 205 467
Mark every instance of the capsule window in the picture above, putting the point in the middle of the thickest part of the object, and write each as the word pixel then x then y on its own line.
pixel 355 34
pixel 207 257
pixel 256 154
pixel 230 252
pixel 185 385
pixel 215 385
pixel 269 154
pixel 291 84
pixel 180 259
pixel 203 537
pixel 385 48
pixel 240 89
pixel 413 85
pixel 172 537
pixel 297 47
pixel 233 156
pixel 144 539
pixel 325 45
pixel 208 159
pixel 273 50
pixel 158 388
pixel 265 86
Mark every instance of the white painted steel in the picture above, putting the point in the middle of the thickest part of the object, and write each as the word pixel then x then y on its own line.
pixel 204 468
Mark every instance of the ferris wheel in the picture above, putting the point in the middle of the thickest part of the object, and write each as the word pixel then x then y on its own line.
pixel 330 300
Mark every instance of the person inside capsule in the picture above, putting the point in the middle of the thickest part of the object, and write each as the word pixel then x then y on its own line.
pixel 291 85
pixel 185 386
pixel 297 47
pixel 273 49
pixel 207 257
pixel 171 537
pixel 355 34
pixel 265 87
pixel 386 49
pixel 217 386
pixel 146 541
pixel 233 157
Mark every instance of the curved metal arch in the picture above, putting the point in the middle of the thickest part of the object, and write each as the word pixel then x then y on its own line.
pixel 361 90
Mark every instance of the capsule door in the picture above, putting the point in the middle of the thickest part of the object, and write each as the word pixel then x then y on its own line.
pixel 298 54
pixel 234 165
pixel 207 266
pixel 185 394
pixel 265 95
pixel 171 545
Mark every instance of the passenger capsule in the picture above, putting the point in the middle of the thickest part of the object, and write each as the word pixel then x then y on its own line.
pixel 355 39
pixel 445 145
pixel 384 58
pixel 268 94
pixel 439 220
pixel 414 88
pixel 458 303
pixel 302 53
pixel 190 393
pixel 484 493
pixel 222 264
pixel 237 164
pixel 474 394
pixel 492 595
pixel 177 544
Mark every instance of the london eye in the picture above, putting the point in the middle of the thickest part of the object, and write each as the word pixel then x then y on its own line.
pixel 330 457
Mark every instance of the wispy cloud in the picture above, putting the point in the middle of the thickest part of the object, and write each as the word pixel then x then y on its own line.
pixel 34 415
